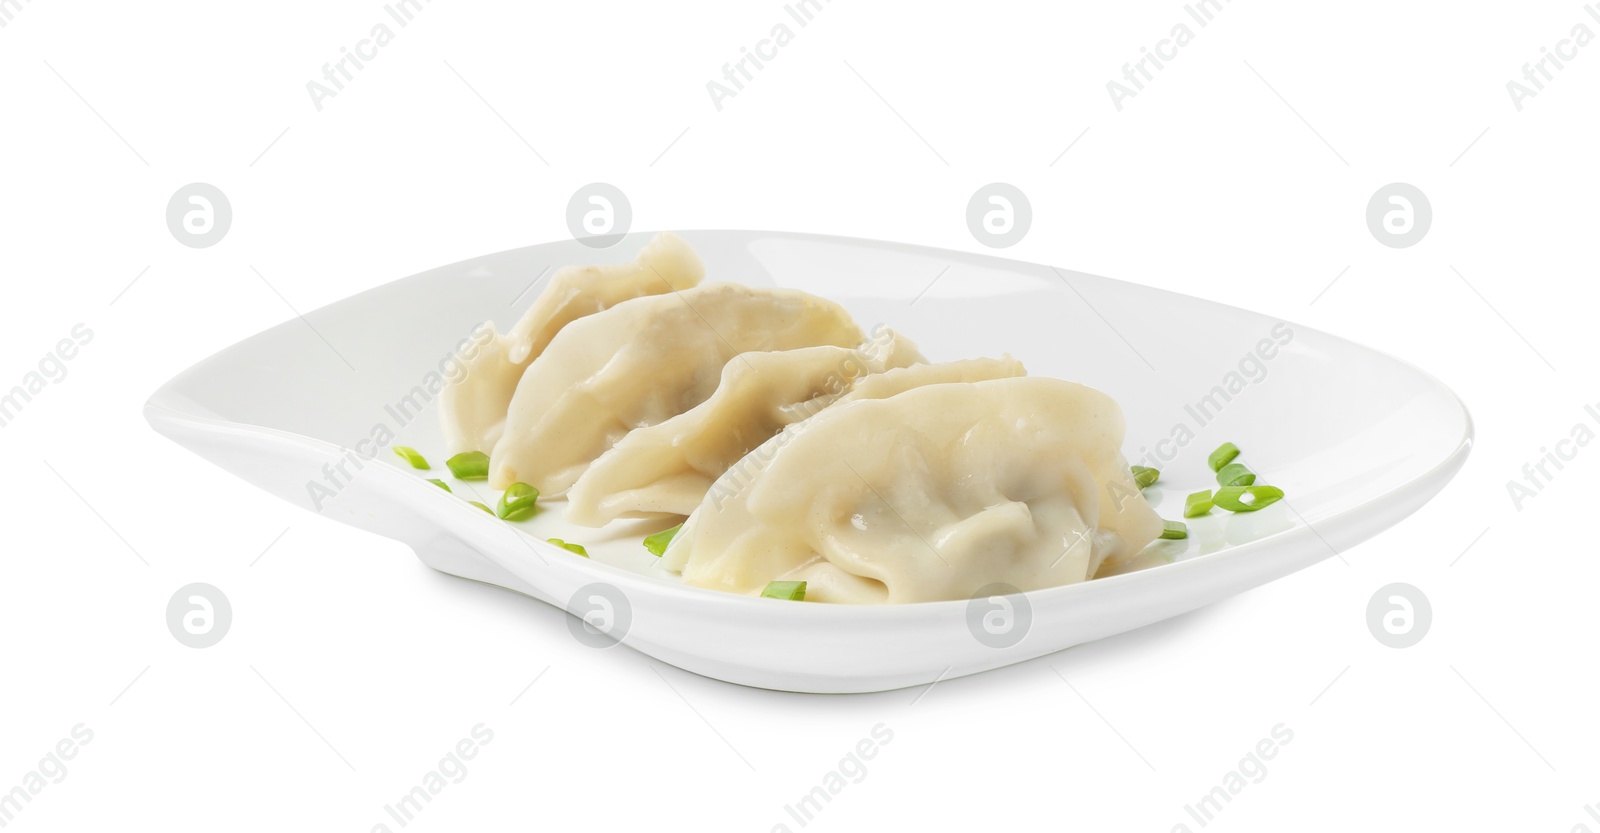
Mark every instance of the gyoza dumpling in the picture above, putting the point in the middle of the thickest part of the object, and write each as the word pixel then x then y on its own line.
pixel 665 264
pixel 641 363
pixel 877 386
pixel 931 494
pixel 667 468
pixel 472 411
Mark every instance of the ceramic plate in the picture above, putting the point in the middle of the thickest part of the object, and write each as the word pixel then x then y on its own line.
pixel 1357 439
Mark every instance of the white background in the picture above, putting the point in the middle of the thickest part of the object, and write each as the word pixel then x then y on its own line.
pixel 1213 181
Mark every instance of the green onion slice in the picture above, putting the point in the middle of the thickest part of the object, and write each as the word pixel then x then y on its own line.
pixel 1223 456
pixel 1247 498
pixel 411 456
pixel 440 483
pixel 481 506
pixel 1174 530
pixel 794 591
pixel 1235 474
pixel 469 465
pixel 1143 476
pixel 1197 504
pixel 518 502
pixel 657 543
pixel 577 548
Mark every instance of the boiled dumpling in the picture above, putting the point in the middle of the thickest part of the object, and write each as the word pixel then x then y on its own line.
pixel 931 494
pixel 666 469
pixel 473 410
pixel 665 264
pixel 641 363
pixel 879 386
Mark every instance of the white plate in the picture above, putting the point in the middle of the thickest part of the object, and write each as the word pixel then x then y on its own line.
pixel 1357 439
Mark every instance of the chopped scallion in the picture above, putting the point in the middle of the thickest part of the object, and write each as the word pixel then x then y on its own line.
pixel 577 548
pixel 1174 530
pixel 1143 476
pixel 440 483
pixel 518 503
pixel 481 506
pixel 657 543
pixel 1247 498
pixel 794 591
pixel 1235 474
pixel 1197 504
pixel 411 456
pixel 1223 456
pixel 469 465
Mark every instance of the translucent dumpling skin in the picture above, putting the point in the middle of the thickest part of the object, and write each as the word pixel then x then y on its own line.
pixel 665 264
pixel 930 494
pixel 640 363
pixel 472 411
pixel 900 380
pixel 666 469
